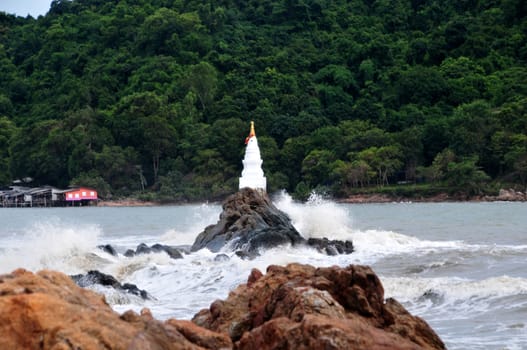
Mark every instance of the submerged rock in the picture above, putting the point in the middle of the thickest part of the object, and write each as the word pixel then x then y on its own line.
pixel 221 257
pixel 303 307
pixel 250 221
pixel 97 277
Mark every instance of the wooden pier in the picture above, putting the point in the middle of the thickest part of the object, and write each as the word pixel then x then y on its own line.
pixel 46 196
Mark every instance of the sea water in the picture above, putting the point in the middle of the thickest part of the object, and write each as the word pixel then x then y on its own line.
pixel 460 266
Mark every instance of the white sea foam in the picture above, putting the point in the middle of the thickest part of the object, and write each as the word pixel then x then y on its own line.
pixel 52 244
pixel 468 283
pixel 176 237
pixel 184 286
pixel 320 217
pixel 202 216
pixel 317 218
pixel 465 296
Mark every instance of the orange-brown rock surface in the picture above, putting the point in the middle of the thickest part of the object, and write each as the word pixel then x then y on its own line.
pixel 303 307
pixel 291 307
pixel 48 310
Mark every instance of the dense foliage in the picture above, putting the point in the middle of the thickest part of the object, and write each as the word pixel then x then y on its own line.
pixel 157 95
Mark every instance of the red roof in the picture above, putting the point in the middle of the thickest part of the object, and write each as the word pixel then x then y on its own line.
pixel 82 193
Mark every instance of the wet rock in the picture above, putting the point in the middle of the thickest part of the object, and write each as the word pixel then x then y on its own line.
pixel 173 252
pixel 108 249
pixel 303 307
pixel 435 297
pixel 48 311
pixel 331 247
pixel 245 255
pixel 129 253
pixel 142 248
pixel 97 277
pixel 249 221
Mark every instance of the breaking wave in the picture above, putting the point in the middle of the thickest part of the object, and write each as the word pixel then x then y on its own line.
pixel 53 244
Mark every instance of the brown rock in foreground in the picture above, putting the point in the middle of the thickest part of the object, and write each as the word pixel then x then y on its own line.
pixel 292 307
pixel 303 307
pixel 48 310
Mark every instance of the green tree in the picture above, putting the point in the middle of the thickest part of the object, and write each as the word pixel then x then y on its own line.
pixel 317 167
pixel 466 175
pixel 227 137
pixel 41 152
pixel 144 122
pixel 119 168
pixel 202 80
pixel 439 167
pixel 7 130
pixel 421 85
pixel 160 137
pixel 385 161
pixel 292 154
pixel 465 79
pixel 213 176
pixel 470 131
pixel 520 166
pixel 357 173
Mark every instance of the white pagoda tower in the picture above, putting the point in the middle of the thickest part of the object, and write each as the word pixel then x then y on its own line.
pixel 252 174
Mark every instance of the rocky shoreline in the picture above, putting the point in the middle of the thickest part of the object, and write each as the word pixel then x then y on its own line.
pixel 504 195
pixel 126 203
pixel 289 307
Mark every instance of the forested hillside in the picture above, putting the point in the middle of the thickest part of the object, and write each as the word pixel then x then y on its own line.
pixel 156 96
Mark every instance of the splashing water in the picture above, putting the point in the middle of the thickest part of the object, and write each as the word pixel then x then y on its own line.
pixel 53 244
pixel 317 218
pixel 467 280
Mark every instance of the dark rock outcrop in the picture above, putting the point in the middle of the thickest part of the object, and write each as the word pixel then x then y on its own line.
pixel 331 247
pixel 173 252
pixel 303 307
pixel 108 249
pixel 250 221
pixel 97 277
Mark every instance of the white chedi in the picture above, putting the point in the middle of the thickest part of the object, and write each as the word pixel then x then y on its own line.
pixel 252 174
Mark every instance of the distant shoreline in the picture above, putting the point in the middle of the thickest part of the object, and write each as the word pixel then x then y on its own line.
pixel 440 198
pixel 126 203
pixel 503 196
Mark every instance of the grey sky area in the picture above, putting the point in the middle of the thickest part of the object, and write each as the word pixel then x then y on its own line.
pixel 23 8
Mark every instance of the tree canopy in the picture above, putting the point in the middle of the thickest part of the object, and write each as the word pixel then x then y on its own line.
pixel 157 95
